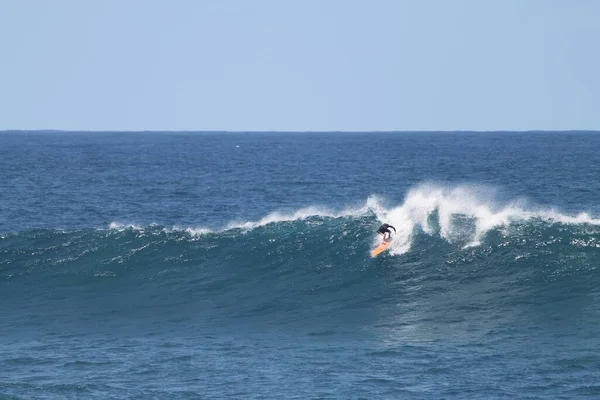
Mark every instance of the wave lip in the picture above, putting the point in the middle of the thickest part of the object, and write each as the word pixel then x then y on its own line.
pixel 308 212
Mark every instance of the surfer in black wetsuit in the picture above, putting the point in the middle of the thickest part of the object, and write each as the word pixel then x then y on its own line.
pixel 385 228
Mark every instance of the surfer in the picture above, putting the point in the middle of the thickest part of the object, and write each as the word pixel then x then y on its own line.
pixel 385 228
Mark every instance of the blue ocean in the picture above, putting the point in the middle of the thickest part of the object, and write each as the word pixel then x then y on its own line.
pixel 209 265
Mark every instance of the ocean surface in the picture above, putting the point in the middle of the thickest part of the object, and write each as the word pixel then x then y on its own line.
pixel 237 265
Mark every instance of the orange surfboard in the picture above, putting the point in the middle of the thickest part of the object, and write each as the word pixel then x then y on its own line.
pixel 381 248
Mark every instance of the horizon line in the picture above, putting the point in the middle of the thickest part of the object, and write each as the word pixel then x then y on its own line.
pixel 300 131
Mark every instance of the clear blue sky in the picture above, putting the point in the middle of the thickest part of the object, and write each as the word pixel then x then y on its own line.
pixel 300 65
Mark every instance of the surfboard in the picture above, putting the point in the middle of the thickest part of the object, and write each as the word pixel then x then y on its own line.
pixel 381 248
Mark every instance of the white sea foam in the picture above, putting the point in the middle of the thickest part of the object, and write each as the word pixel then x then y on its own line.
pixel 194 231
pixel 455 204
pixel 198 231
pixel 119 226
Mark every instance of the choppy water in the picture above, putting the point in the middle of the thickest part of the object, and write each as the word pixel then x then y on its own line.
pixel 212 265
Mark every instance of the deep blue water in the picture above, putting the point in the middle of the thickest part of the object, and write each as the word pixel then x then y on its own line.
pixel 237 265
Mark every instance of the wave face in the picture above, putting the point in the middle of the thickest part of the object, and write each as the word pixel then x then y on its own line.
pixel 460 258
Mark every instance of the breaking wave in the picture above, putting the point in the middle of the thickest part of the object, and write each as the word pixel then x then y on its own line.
pixel 310 264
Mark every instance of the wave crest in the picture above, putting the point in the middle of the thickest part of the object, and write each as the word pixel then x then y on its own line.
pixel 461 214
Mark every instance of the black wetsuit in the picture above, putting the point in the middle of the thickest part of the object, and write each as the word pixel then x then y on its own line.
pixel 385 228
